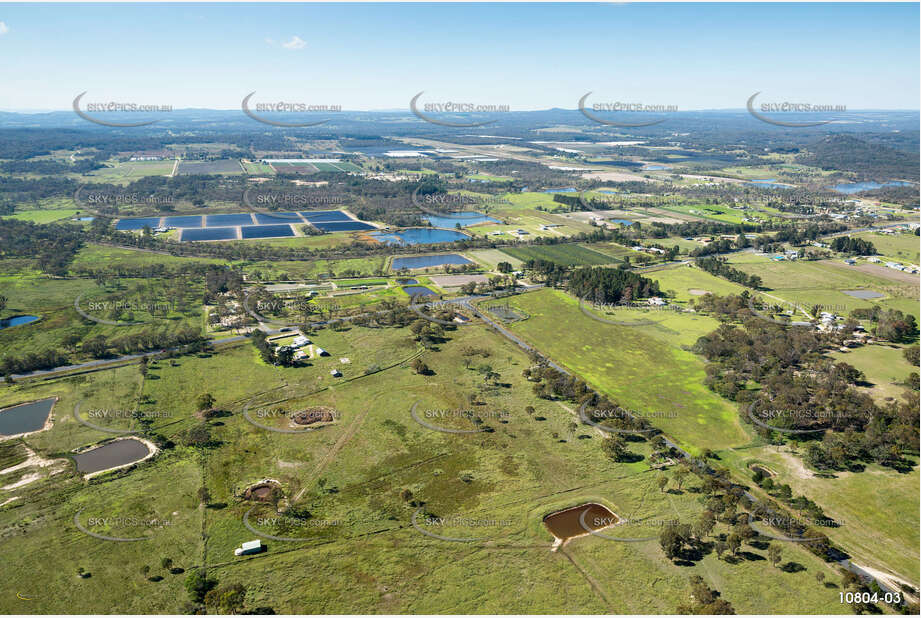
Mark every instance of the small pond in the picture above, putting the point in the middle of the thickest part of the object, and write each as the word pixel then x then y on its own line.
pixel 452 219
pixel 425 261
pixel 111 455
pixel 17 320
pixel 769 182
pixel 857 187
pixel 566 524
pixel 419 236
pixel 418 290
pixel 26 417
pixel 863 294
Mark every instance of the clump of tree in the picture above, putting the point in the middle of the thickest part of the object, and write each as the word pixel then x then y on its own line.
pixel 420 367
pixel 611 285
pixel 802 389
pixel 705 600
pixel 269 353
pixel 889 324
pixel 198 584
pixel 852 246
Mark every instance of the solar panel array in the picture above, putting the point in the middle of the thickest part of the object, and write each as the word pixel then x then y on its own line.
pixel 251 225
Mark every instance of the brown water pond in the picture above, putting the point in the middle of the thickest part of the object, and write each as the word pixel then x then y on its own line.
pixel 566 524
pixel 263 491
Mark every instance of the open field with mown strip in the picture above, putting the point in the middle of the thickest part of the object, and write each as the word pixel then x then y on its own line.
pixel 635 369
pixel 810 283
pixel 877 508
pixel 689 282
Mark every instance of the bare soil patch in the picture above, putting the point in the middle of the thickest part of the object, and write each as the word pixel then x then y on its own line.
pixel 315 414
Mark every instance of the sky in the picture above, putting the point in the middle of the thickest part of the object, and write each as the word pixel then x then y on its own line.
pixel 525 56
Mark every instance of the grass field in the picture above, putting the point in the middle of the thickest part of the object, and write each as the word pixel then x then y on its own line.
pixel 313 269
pixel 877 508
pixel 98 256
pixel 159 308
pixel 359 542
pixel 636 369
pixel 257 168
pixel 43 216
pixel 127 171
pixel 884 366
pixel 492 257
pixel 564 255
pixel 899 247
pixel 683 279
